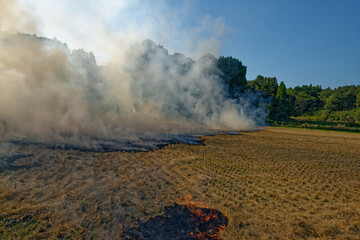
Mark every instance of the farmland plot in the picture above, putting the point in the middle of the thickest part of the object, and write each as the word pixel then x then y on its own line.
pixel 274 184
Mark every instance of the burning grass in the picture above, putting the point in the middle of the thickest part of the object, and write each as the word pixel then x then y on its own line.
pixel 272 184
pixel 181 221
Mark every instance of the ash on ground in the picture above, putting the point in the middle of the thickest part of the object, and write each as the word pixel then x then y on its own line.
pixel 181 222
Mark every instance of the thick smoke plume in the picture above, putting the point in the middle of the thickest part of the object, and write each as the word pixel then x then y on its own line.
pixel 54 95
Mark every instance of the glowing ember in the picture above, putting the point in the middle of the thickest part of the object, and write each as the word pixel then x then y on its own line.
pixel 184 220
pixel 204 216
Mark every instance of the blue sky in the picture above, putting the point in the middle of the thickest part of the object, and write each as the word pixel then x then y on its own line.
pixel 299 42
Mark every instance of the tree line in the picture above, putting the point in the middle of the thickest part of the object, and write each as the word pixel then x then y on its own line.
pixel 341 104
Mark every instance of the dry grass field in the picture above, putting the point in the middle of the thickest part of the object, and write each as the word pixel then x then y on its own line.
pixel 278 183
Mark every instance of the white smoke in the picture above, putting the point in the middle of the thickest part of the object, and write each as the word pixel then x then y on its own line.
pixel 110 27
pixel 52 94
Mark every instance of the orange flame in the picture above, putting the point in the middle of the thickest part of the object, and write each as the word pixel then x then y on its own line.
pixel 200 216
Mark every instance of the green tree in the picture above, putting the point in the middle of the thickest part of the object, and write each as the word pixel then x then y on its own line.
pixel 283 105
pixel 338 102
pixel 279 106
pixel 342 98
pixel 269 86
pixel 256 83
pixel 334 102
pixel 304 103
pixel 233 72
pixel 323 95
pixel 306 99
pixel 281 91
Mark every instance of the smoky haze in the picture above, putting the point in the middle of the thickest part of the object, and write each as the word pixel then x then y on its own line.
pixel 54 95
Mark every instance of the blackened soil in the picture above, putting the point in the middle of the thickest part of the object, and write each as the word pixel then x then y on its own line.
pixel 111 145
pixel 180 223
pixel 6 163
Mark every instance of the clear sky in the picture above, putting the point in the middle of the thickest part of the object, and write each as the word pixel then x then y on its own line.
pixel 297 41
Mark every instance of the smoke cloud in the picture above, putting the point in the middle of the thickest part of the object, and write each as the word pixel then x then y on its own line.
pixel 15 18
pixel 143 97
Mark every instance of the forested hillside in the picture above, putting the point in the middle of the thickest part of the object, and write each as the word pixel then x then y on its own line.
pixel 339 105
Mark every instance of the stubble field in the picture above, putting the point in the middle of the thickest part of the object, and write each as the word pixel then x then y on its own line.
pixel 278 183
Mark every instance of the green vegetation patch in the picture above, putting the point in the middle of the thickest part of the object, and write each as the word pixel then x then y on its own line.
pixel 17 228
pixel 303 122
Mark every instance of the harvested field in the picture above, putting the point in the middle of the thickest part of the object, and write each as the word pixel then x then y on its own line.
pixel 279 183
